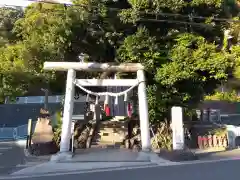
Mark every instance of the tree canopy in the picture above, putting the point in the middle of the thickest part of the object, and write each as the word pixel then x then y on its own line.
pixel 182 44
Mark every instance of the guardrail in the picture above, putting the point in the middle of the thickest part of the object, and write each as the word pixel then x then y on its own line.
pixel 6 133
pixel 16 133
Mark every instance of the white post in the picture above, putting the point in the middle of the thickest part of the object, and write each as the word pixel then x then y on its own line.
pixel 177 128
pixel 143 112
pixel 67 113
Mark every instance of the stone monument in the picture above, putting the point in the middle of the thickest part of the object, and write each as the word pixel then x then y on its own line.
pixel 42 138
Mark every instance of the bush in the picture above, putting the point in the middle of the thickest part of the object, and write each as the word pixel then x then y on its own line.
pixel 224 96
pixel 57 127
pixel 57 136
pixel 163 137
pixel 219 132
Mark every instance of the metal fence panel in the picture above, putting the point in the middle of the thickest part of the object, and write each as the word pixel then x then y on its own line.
pixel 21 132
pixel 6 133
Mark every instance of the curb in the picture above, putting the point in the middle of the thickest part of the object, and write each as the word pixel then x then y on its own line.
pixel 77 168
pixel 210 150
pixel 27 176
pixel 75 172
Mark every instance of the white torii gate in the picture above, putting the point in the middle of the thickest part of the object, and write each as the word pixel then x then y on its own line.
pixel 72 67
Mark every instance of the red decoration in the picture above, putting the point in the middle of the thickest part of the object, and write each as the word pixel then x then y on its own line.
pixel 200 142
pixel 107 110
pixel 129 110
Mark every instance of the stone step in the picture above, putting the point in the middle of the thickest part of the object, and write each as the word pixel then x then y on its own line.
pixel 103 143
pixel 113 130
pixel 106 145
pixel 110 139
pixel 109 146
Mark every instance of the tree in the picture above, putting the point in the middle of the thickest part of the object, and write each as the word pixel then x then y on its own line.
pixel 181 44
pixel 186 61
pixel 8 16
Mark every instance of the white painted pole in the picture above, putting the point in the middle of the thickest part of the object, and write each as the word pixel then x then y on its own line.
pixel 67 113
pixel 143 112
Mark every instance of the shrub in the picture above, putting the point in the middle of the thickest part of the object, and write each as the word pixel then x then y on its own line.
pixel 163 137
pixel 224 96
pixel 57 127
pixel 219 132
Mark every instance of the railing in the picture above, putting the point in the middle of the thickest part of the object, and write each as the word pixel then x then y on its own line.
pixel 6 133
pixel 19 132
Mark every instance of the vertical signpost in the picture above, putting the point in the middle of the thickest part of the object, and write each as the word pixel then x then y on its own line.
pixel 177 128
pixel 29 135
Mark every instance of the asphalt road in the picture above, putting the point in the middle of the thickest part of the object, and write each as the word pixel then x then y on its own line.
pixel 205 171
pixel 11 156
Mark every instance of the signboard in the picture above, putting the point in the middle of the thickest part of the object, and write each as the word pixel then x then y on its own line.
pixel 177 128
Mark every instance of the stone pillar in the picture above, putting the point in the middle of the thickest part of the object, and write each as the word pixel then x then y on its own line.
pixel 143 111
pixel 177 128
pixel 67 113
pixel 65 153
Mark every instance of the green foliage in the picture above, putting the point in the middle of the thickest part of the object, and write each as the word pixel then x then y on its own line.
pixel 56 120
pixel 140 47
pixel 57 136
pixel 163 137
pixel 57 127
pixel 8 17
pixel 236 51
pixel 193 63
pixel 224 96
pixel 221 132
pixel 182 54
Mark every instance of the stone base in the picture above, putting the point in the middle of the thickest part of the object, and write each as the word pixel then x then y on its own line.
pixel 178 155
pixel 62 156
pixel 151 157
pixel 39 149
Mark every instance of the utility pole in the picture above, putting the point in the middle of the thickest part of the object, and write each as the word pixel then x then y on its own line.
pixel 46 98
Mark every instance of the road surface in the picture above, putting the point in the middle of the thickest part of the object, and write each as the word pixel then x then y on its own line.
pixel 11 156
pixel 226 170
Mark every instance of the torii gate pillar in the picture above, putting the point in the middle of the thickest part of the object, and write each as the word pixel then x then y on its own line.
pixel 64 153
pixel 68 111
pixel 143 111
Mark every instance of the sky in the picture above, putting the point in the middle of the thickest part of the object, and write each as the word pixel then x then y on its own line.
pixel 14 2
pixel 22 2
